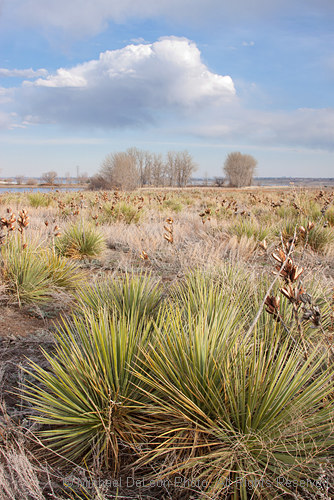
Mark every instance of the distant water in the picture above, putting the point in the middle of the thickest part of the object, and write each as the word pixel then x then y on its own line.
pixel 25 189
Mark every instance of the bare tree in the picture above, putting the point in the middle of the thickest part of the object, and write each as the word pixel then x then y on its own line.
pixel 219 181
pixel 31 181
pixel 147 172
pixel 179 167
pixel 119 170
pixel 133 168
pixel 98 182
pixel 49 177
pixel 158 170
pixel 239 169
pixel 19 179
pixel 140 157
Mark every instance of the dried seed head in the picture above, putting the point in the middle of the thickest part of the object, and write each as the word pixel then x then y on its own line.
pixel 279 256
pixel 144 255
pixel 289 293
pixel 169 238
pixel 272 306
pixel 263 244
pixel 289 245
pixel 296 272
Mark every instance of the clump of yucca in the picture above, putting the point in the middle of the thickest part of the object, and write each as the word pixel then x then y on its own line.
pixel 90 395
pixel 236 412
pixel 250 229
pixel 38 199
pixel 24 271
pixel 121 211
pixel 33 273
pixel 80 241
pixel 315 235
pixel 127 296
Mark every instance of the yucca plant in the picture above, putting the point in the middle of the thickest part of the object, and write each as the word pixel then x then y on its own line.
pixel 173 204
pixel 38 199
pixel 251 229
pixel 207 293
pixel 243 417
pixel 24 271
pixel 89 395
pixel 217 288
pixel 121 212
pixel 319 238
pixel 329 216
pixel 80 241
pixel 126 295
pixel 33 273
pixel 63 272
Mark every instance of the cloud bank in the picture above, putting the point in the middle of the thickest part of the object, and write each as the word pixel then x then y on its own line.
pixel 127 86
pixel 305 127
pixel 161 84
pixel 87 17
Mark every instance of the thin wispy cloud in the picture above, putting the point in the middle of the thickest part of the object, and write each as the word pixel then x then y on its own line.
pixel 22 73
pixel 306 128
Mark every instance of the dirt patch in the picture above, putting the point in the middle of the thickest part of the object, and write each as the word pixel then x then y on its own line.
pixel 22 335
pixel 15 322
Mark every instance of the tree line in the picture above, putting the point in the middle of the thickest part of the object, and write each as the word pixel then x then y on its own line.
pixel 137 168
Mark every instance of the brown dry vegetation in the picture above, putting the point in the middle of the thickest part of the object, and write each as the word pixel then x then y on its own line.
pixel 167 233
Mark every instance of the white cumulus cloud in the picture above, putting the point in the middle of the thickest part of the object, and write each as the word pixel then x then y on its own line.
pixel 127 86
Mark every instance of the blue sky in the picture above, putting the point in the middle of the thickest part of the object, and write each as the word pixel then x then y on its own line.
pixel 80 79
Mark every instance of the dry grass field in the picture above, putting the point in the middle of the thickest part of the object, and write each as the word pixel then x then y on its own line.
pixel 167 344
